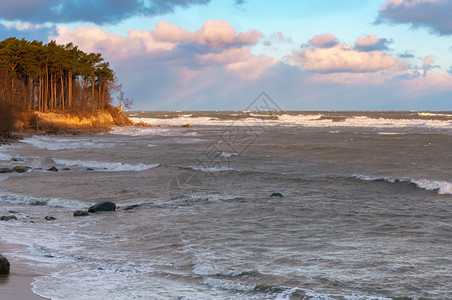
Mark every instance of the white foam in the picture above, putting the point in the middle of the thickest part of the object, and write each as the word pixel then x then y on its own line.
pixel 41 201
pixel 152 131
pixel 210 270
pixel 389 133
pixel 227 155
pixel 5 157
pixel 212 169
pixel 229 284
pixel 442 187
pixel 53 143
pixel 314 120
pixel 428 114
pixel 105 166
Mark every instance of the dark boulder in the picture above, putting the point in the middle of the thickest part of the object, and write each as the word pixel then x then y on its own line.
pixel 53 169
pixel 49 218
pixel 6 170
pixel 276 195
pixel 66 169
pixel 8 218
pixel 4 265
pixel 89 169
pixel 21 169
pixel 80 213
pixel 103 206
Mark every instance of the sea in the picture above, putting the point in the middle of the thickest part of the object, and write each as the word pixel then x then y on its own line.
pixel 254 204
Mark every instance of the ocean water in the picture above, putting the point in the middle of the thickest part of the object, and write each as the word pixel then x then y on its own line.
pixel 366 211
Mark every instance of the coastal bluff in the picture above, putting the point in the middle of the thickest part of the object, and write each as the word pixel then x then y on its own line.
pixel 109 117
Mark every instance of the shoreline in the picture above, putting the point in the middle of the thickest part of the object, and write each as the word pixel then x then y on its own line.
pixel 18 284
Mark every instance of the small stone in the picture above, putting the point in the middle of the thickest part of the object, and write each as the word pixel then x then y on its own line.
pixel 6 170
pixel 66 169
pixel 4 265
pixel 8 218
pixel 276 195
pixel 103 206
pixel 90 169
pixel 21 169
pixel 80 213
pixel 53 169
pixel 49 218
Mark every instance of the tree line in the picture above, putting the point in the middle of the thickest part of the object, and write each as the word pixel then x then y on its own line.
pixel 50 77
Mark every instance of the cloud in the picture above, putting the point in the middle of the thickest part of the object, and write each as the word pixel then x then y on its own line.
pixel 343 58
pixel 214 44
pixel 371 43
pixel 433 14
pixel 240 60
pixel 325 40
pixel 98 12
pixel 405 55
pixel 166 36
pixel 428 65
pixel 428 84
pixel 428 60
pixel 276 38
pixel 217 34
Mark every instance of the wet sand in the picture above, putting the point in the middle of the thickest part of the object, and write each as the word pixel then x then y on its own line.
pixel 17 285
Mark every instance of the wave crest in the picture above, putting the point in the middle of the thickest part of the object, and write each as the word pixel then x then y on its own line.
pixel 442 187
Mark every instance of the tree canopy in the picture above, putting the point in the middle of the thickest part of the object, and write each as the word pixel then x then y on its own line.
pixel 50 77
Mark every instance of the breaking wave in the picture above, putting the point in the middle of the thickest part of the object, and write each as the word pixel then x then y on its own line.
pixel 105 166
pixel 42 201
pixel 442 187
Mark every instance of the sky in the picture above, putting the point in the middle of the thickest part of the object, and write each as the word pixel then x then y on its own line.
pixel 220 55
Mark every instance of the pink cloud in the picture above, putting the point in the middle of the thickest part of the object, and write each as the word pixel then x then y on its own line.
pixel 166 36
pixel 429 83
pixel 217 34
pixel 371 43
pixel 343 58
pixel 351 79
pixel 94 39
pixel 241 61
pixel 325 40
pixel 428 60
pixel 225 47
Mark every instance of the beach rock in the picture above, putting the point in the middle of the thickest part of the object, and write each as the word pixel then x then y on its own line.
pixel 90 169
pixel 49 218
pixel 80 213
pixel 103 206
pixel 142 124
pixel 66 169
pixel 6 170
pixel 4 265
pixel 8 218
pixel 53 169
pixel 186 126
pixel 276 195
pixel 21 169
